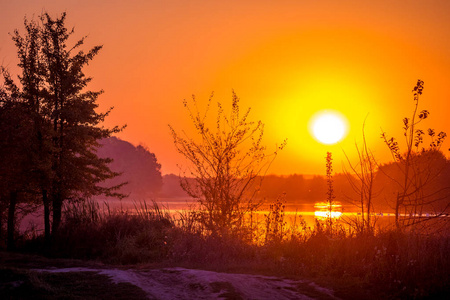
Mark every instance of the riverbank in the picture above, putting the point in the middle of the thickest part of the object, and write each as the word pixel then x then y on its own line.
pixel 396 264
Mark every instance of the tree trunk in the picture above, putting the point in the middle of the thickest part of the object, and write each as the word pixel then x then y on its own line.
pixel 46 216
pixel 57 208
pixel 10 245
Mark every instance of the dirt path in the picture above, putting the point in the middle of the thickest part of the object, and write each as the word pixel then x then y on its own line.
pixel 180 283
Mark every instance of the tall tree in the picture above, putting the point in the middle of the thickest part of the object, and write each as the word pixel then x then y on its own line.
pixel 77 170
pixel 16 158
pixel 62 129
pixel 22 142
pixel 31 92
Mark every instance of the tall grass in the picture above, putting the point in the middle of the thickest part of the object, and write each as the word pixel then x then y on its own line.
pixel 114 236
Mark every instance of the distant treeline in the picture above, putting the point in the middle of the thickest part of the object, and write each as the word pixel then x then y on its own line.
pixel 296 187
pixel 137 166
pixel 142 172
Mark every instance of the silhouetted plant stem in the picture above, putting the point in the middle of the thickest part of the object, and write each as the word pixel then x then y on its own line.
pixel 365 177
pixel 330 191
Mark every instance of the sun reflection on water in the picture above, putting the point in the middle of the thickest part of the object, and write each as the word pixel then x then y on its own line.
pixel 323 210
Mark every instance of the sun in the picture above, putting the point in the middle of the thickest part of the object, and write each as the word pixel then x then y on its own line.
pixel 328 127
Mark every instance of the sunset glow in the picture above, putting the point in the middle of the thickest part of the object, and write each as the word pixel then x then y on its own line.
pixel 286 61
pixel 225 149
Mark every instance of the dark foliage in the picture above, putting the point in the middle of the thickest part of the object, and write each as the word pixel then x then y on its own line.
pixel 49 127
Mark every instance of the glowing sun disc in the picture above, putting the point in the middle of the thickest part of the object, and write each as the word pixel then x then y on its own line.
pixel 328 127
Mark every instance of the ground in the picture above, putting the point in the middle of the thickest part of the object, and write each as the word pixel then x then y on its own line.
pixel 180 283
pixel 25 277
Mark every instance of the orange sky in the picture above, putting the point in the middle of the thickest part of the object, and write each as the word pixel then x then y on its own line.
pixel 285 59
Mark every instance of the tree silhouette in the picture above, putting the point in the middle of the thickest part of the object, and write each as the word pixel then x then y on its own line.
pixel 77 168
pixel 225 162
pixel 23 129
pixel 16 158
pixel 65 128
pixel 412 199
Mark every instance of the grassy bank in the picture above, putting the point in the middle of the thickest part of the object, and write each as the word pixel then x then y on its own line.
pixel 388 264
